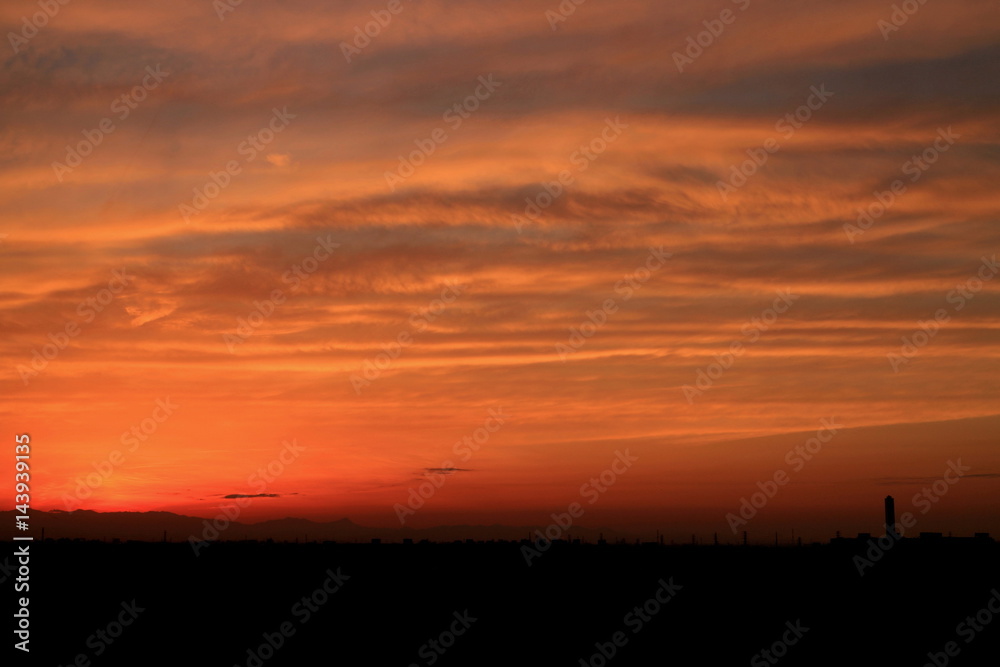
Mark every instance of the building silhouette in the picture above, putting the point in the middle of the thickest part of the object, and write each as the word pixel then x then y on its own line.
pixel 890 517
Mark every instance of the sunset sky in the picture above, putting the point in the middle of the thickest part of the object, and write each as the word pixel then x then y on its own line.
pixel 276 201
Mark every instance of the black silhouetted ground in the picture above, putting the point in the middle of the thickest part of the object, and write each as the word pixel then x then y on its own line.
pixel 393 599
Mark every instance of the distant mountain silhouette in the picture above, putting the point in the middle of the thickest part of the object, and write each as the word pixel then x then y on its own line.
pixel 150 526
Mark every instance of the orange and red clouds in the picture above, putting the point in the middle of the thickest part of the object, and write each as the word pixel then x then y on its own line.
pixel 238 168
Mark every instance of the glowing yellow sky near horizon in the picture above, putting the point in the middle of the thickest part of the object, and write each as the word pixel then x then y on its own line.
pixel 357 264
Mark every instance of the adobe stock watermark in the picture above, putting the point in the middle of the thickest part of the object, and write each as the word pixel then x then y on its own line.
pixel 563 11
pixel 223 7
pixel 122 106
pixel 295 276
pixel 915 168
pixel 302 611
pixel 37 21
pixel 787 125
pixel 900 14
pixel 372 369
pixel 597 318
pixel 590 490
pixel 968 629
pixel 258 482
pixel 923 500
pixel 454 116
pixel 436 477
pixel 635 620
pixel 779 649
pixel 432 650
pixel 926 330
pixel 87 310
pixel 104 637
pixel 581 158
pixel 796 458
pixel 696 44
pixel 132 439
pixel 249 149
pixel 363 35
pixel 705 378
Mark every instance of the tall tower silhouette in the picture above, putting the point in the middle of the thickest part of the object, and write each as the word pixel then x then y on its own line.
pixel 890 517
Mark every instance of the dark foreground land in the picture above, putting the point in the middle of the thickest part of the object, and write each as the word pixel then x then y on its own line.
pixel 257 604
